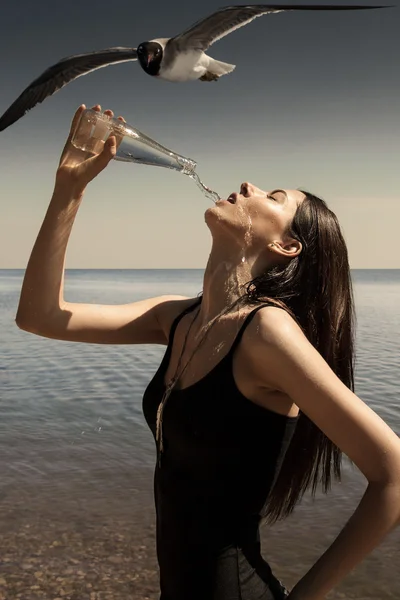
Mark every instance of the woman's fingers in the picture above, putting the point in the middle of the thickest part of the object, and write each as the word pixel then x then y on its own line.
pixel 101 144
pixel 97 133
pixel 87 136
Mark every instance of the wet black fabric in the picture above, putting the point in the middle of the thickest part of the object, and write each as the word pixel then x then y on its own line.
pixel 221 456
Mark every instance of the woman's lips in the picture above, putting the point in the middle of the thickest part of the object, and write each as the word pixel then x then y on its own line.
pixel 232 198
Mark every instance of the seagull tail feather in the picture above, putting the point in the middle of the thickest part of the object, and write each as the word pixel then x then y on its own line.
pixel 219 68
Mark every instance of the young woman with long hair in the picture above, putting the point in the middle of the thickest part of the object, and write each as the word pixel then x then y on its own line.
pixel 253 402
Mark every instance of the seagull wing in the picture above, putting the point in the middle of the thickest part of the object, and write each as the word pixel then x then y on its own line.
pixel 216 26
pixel 55 77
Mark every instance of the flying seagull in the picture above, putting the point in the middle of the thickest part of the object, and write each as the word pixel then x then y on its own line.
pixel 177 59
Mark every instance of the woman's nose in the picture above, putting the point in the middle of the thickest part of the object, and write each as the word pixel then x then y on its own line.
pixel 246 189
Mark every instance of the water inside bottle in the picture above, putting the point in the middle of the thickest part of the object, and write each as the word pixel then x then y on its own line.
pixel 135 148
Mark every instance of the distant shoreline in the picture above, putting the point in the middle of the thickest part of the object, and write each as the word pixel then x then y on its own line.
pixel 173 269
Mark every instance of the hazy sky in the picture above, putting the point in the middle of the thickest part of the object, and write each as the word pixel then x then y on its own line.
pixel 314 103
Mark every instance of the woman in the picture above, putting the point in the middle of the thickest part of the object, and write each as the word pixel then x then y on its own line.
pixel 253 401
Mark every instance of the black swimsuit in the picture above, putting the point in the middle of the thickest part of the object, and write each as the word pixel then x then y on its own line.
pixel 222 453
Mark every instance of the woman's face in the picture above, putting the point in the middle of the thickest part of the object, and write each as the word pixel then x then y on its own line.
pixel 256 217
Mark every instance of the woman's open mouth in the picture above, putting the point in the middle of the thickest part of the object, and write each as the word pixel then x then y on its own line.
pixel 232 198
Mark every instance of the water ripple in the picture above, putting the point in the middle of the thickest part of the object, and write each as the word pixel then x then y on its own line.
pixel 71 415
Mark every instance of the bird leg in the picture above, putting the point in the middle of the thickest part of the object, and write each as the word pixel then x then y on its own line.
pixel 208 76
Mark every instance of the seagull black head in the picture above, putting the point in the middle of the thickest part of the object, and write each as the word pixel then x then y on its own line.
pixel 150 55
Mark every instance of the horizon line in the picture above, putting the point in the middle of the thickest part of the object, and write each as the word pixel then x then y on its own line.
pixel 176 268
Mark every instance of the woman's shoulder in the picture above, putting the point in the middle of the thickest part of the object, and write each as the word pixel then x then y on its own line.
pixel 273 325
pixel 274 341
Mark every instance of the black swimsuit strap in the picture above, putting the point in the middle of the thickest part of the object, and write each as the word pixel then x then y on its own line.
pixel 247 320
pixel 177 319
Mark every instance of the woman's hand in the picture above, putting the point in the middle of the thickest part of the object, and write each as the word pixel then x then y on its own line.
pixel 77 167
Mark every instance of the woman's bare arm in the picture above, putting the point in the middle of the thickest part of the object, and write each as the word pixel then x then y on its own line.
pixel 42 309
pixel 292 365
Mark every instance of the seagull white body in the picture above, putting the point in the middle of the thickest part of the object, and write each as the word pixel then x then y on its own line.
pixel 190 65
pixel 178 59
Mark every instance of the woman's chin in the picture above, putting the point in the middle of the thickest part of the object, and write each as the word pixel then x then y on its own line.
pixel 213 213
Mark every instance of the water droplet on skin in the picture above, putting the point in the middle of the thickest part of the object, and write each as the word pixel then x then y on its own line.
pixel 219 347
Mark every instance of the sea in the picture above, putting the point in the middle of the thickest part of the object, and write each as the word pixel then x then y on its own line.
pixel 77 458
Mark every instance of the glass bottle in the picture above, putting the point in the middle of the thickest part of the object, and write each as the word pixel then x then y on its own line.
pixel 94 128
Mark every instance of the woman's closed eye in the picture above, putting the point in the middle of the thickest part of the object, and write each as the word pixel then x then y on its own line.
pixel 277 195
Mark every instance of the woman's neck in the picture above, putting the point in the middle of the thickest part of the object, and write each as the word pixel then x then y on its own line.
pixel 225 280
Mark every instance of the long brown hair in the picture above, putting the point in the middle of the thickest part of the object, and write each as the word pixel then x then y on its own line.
pixel 315 288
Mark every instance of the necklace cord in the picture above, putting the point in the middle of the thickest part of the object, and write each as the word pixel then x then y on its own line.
pixel 173 381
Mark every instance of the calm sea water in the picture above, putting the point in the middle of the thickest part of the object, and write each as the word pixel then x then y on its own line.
pixel 75 449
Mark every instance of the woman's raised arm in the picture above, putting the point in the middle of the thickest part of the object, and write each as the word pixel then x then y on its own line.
pixel 42 309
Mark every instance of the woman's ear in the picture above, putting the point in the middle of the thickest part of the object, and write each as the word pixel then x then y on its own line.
pixel 289 249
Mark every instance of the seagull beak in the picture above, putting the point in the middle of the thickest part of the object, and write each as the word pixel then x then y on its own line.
pixel 149 58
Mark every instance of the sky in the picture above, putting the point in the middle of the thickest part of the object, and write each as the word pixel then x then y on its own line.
pixel 314 103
